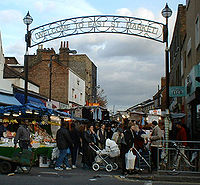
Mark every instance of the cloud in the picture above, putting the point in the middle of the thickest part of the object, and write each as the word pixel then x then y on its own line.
pixel 129 67
pixel 10 16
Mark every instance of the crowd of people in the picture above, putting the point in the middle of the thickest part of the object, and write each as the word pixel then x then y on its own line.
pixel 73 139
pixel 78 140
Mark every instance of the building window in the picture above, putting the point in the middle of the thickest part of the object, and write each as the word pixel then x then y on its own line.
pixel 198 118
pixel 73 93
pixel 197 32
pixel 182 63
pixel 184 58
pixel 78 82
pixel 189 46
pixel 81 96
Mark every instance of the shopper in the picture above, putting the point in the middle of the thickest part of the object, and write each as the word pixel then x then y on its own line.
pixel 90 139
pixel 155 139
pixel 129 142
pixel 84 145
pixel 63 141
pixel 102 135
pixel 75 135
pixel 23 136
pixel 109 132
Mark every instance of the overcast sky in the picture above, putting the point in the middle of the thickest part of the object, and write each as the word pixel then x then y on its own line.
pixel 129 67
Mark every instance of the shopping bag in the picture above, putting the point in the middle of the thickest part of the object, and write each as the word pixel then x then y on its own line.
pixel 130 160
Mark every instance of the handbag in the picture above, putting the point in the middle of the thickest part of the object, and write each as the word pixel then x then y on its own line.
pixel 130 160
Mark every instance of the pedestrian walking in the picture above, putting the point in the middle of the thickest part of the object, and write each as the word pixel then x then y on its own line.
pixel 63 141
pixel 182 137
pixel 75 136
pixel 155 140
pixel 90 138
pixel 128 146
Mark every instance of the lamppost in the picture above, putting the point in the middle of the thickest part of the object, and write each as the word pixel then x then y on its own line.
pixel 166 13
pixel 27 20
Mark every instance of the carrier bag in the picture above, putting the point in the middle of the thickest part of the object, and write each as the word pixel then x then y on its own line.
pixel 130 160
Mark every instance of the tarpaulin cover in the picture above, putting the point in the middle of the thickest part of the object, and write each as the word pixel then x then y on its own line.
pixel 9 100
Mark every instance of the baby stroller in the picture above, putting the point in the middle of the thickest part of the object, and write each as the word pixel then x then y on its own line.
pixel 104 157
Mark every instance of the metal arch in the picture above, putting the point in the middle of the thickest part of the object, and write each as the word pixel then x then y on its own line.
pixel 97 24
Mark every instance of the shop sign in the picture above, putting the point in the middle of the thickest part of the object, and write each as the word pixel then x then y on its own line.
pixel 64 106
pixel 176 91
pixel 155 112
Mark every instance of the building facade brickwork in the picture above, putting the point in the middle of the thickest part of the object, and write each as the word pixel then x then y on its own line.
pixel 39 72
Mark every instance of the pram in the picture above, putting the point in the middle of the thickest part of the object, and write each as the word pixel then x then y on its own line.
pixel 104 157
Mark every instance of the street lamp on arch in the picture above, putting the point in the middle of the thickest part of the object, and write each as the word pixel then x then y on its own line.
pixel 166 13
pixel 27 21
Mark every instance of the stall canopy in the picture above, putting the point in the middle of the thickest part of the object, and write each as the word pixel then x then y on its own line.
pixel 8 100
pixel 30 99
pixel 40 110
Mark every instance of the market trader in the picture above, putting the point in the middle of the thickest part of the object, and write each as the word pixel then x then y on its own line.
pixel 23 136
pixel 3 128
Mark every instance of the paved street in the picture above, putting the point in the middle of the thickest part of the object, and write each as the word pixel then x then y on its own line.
pixel 47 176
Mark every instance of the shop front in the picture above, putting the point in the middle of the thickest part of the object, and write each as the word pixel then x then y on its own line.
pixel 193 102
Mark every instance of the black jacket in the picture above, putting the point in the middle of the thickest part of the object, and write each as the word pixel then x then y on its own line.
pixel 129 139
pixel 75 136
pixel 63 139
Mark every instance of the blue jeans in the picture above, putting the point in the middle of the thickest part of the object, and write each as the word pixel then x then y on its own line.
pixel 62 159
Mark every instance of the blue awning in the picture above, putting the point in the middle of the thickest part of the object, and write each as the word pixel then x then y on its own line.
pixel 8 100
pixel 30 99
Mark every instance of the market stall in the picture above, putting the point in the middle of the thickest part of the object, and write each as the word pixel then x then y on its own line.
pixel 43 124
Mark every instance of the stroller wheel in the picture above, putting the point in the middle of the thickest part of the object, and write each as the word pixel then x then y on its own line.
pixel 115 166
pixel 95 167
pixel 109 168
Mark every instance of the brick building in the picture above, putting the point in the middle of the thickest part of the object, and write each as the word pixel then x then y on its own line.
pixel 62 63
pixel 185 63
pixel 175 56
pixel 191 67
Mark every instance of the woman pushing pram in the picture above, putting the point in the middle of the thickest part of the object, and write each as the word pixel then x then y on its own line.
pixel 104 157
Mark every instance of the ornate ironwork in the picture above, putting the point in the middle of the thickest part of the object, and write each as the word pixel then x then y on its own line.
pixel 97 24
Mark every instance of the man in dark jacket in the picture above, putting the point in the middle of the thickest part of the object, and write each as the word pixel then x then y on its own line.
pixel 63 141
pixel 23 136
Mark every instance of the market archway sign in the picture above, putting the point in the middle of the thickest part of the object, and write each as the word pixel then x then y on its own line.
pixel 97 24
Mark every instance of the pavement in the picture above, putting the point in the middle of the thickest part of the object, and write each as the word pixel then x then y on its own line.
pixel 143 176
pixel 185 177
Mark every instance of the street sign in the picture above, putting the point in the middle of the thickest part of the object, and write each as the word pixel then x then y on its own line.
pixel 176 91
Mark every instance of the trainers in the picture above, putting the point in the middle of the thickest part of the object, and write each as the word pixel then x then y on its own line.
pixel 68 168
pixel 58 168
pixel 73 166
